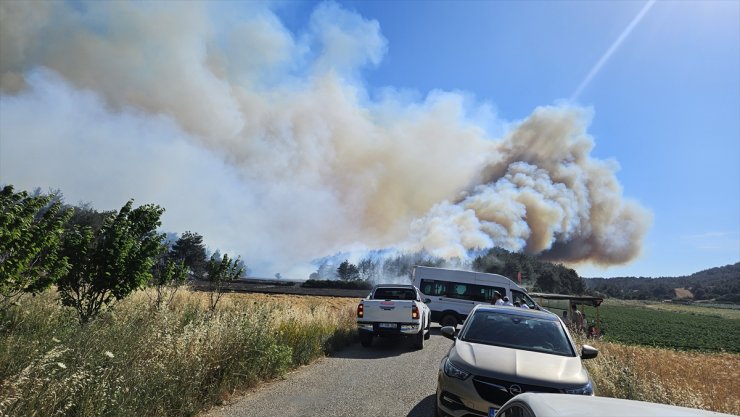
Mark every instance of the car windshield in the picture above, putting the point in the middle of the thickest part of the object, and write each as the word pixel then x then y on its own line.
pixel 395 294
pixel 517 332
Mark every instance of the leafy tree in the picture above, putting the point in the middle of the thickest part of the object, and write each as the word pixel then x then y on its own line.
pixel 218 271
pixel 368 269
pixel 85 215
pixel 31 228
pixel 348 272
pixel 168 275
pixel 111 263
pixel 190 250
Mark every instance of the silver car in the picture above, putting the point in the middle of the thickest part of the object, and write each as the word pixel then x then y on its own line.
pixel 552 405
pixel 503 351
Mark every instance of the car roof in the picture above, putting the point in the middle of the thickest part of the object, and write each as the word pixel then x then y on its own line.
pixel 516 311
pixel 564 405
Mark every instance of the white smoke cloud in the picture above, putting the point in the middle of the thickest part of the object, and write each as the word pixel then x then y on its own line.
pixel 267 142
pixel 545 196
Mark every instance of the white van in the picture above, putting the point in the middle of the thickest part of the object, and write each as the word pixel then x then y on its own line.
pixel 454 293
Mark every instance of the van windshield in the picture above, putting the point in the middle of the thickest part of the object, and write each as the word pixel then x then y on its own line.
pixel 517 332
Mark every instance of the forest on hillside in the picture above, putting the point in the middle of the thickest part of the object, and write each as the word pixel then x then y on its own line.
pixel 721 284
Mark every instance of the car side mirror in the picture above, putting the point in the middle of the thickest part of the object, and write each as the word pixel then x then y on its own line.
pixel 448 332
pixel 589 352
pixel 427 300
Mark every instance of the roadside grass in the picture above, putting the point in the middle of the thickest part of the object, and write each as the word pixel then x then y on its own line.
pixel 685 378
pixel 173 362
pixel 180 360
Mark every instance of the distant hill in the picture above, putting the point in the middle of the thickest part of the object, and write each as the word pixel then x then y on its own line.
pixel 721 284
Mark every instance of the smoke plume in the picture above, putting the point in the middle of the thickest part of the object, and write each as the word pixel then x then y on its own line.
pixel 267 142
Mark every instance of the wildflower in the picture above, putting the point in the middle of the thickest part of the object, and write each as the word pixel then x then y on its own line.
pixel 109 354
pixel 61 365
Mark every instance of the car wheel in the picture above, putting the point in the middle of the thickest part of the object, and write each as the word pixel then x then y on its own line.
pixel 428 332
pixel 366 339
pixel 435 408
pixel 448 320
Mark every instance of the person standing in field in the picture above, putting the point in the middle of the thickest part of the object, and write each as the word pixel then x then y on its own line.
pixel 577 319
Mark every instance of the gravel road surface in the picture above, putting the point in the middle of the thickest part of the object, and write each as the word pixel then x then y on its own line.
pixel 389 379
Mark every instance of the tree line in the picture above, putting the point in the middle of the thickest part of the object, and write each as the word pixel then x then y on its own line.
pixel 377 267
pixel 721 284
pixel 95 259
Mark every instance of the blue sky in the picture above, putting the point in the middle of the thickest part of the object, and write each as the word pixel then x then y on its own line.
pixel 666 105
pixel 287 131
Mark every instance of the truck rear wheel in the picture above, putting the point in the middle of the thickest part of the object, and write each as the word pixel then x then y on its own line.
pixel 428 331
pixel 366 339
pixel 419 339
pixel 448 320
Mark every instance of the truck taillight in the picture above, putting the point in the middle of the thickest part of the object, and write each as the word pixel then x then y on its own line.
pixel 414 312
pixel 360 310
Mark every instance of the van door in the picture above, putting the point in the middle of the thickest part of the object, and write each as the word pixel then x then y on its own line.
pixel 449 298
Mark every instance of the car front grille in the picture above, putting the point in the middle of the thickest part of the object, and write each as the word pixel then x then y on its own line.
pixel 497 391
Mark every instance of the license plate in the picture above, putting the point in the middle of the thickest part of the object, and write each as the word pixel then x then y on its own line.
pixel 387 325
pixel 492 412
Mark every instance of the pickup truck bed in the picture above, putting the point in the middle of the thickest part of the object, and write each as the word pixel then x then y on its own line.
pixel 393 310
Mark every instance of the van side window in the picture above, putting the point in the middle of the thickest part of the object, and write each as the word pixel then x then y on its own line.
pixel 429 287
pixel 459 291
pixel 488 292
pixel 522 298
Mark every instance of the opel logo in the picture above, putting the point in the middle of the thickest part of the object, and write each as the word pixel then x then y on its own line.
pixel 515 389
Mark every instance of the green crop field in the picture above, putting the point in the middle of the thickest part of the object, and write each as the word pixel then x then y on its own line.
pixel 684 329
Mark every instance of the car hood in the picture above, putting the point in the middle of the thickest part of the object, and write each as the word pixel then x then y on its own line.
pixel 519 365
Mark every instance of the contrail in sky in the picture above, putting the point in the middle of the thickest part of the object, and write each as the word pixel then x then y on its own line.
pixel 608 54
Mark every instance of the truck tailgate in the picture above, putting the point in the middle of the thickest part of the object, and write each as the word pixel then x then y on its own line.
pixel 387 311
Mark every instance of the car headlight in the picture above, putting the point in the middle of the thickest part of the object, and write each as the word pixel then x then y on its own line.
pixel 587 389
pixel 452 371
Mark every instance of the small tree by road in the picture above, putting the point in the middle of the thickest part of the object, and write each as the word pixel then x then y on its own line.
pixel 219 270
pixel 31 229
pixel 168 275
pixel 109 265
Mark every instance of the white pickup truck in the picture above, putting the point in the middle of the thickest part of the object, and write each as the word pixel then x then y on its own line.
pixel 392 309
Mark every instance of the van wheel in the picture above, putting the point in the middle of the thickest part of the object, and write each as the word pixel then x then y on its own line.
pixel 366 339
pixel 448 320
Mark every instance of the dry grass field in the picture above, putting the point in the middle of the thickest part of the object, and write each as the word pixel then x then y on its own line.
pixel 180 360
pixel 691 379
pixel 725 313
pixel 137 360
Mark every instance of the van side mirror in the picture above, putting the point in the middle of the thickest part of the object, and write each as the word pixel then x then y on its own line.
pixel 448 332
pixel 427 300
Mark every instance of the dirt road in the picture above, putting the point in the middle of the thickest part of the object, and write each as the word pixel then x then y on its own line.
pixel 389 379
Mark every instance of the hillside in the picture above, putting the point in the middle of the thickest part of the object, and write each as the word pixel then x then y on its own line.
pixel 721 284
